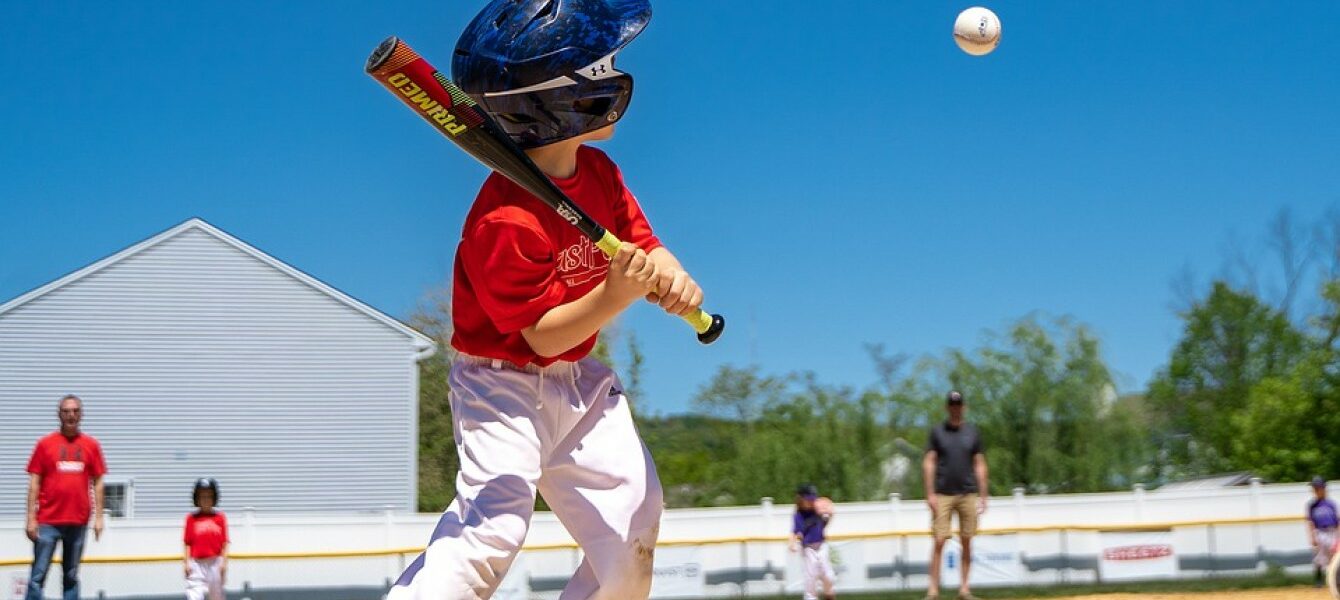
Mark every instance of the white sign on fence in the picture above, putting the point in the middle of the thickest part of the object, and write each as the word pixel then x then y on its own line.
pixel 849 562
pixel 1129 556
pixel 678 573
pixel 995 561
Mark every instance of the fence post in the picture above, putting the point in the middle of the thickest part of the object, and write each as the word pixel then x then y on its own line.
pixel 906 554
pixel 388 539
pixel 1018 494
pixel 1065 556
pixel 769 529
pixel 1254 487
pixel 248 572
pixel 744 569
pixel 1139 492
pixel 1213 549
pixel 895 505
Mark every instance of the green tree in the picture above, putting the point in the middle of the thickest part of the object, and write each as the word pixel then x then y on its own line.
pixel 1277 439
pixel 786 430
pixel 1046 404
pixel 637 363
pixel 604 348
pixel 811 432
pixel 689 450
pixel 901 407
pixel 1231 341
pixel 1289 423
pixel 740 394
pixel 1040 391
pixel 438 462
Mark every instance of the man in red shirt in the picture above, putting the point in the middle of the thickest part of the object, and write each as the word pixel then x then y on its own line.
pixel 60 471
pixel 533 412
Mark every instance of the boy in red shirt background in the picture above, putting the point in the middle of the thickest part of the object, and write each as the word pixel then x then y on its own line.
pixel 532 411
pixel 206 539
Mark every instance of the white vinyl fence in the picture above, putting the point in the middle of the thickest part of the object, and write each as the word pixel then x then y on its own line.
pixel 725 552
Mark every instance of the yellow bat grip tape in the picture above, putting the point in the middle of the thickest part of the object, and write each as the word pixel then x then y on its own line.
pixel 700 320
pixel 609 244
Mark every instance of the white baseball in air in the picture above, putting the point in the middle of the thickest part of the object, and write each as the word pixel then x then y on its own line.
pixel 977 31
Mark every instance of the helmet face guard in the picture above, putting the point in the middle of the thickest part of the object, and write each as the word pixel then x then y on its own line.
pixel 545 116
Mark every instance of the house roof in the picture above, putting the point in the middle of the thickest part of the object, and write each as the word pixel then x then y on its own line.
pixel 421 341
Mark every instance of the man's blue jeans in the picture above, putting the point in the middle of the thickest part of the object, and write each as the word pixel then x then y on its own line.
pixel 71 538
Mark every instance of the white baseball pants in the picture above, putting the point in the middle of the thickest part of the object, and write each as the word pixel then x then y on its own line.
pixel 819 574
pixel 566 431
pixel 1326 542
pixel 205 581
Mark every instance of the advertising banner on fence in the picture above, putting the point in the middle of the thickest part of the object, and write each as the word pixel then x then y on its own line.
pixel 678 573
pixel 995 561
pixel 1134 555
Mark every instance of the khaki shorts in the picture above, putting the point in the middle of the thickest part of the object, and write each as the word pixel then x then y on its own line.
pixel 966 507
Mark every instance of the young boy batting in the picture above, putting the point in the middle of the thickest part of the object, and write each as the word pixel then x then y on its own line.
pixel 206 539
pixel 532 412
pixel 807 537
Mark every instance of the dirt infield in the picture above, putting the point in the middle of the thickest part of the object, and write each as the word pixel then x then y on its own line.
pixel 1293 593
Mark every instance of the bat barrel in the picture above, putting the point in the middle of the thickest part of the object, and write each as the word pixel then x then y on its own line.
pixel 381 54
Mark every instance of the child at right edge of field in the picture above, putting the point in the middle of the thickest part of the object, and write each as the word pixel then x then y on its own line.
pixel 1322 522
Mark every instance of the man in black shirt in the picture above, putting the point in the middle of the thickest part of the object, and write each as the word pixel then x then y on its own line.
pixel 955 473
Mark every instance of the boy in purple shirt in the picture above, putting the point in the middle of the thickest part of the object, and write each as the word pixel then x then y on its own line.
pixel 807 537
pixel 1322 521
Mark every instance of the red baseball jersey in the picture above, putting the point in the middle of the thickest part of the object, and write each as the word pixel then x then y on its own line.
pixel 206 534
pixel 67 466
pixel 518 259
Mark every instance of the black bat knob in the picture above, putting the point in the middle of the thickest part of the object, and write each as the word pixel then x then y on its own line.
pixel 713 332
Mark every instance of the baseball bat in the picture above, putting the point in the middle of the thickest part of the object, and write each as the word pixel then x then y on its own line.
pixel 454 114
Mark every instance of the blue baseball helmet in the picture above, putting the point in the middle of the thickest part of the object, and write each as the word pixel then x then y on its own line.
pixel 545 68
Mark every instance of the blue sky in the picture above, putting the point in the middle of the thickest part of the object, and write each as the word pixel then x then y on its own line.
pixel 832 173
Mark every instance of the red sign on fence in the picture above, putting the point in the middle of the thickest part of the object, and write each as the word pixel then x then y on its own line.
pixel 1138 552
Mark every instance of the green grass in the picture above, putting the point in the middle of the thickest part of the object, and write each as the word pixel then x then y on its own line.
pixel 1221 584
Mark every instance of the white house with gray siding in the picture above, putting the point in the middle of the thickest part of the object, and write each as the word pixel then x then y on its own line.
pixel 199 355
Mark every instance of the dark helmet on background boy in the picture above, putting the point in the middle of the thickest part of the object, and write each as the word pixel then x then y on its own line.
pixel 204 483
pixel 545 68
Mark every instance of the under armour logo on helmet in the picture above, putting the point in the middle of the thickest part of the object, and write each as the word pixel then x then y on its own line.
pixel 601 69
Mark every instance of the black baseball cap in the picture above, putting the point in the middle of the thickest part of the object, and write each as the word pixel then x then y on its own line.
pixel 807 491
pixel 954 397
